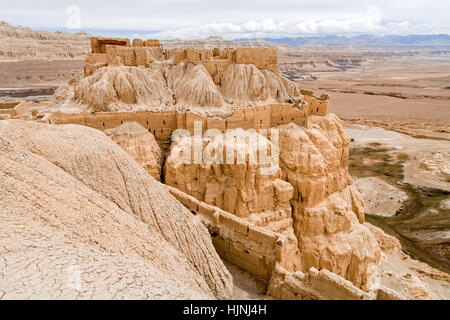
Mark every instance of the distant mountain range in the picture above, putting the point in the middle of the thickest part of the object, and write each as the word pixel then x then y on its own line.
pixel 9 32
pixel 433 40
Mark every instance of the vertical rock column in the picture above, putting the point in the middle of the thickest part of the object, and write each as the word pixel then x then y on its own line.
pixel 328 212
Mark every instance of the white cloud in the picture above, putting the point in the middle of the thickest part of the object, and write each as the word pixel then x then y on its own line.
pixel 236 18
pixel 369 22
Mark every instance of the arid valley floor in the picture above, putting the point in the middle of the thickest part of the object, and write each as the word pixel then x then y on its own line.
pixel 397 113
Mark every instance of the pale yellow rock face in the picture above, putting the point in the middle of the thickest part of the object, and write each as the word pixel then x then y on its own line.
pixel 240 186
pixel 113 88
pixel 229 176
pixel 244 83
pixel 328 211
pixel 22 43
pixel 140 144
pixel 193 86
pixel 72 197
pixel 121 88
pixel 162 85
pixel 233 179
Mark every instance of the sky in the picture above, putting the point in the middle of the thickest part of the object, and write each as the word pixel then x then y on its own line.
pixel 231 19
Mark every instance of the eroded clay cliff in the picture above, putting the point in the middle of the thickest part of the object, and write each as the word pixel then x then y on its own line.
pixel 22 43
pixel 163 86
pixel 71 195
pixel 236 173
pixel 140 144
pixel 328 211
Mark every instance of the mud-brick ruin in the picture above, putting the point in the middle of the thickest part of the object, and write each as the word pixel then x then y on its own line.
pixel 296 223
pixel 285 107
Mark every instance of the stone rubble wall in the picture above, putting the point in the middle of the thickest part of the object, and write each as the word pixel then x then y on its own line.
pixel 108 51
pixel 314 285
pixel 253 249
pixel 162 124
pixel 318 106
pixel 99 44
pixel 9 104
pixel 15 110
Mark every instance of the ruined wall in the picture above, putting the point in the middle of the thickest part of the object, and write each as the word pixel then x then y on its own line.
pixel 93 61
pixel 162 124
pixel 14 110
pixel 99 44
pixel 251 248
pixel 152 43
pixel 119 50
pixel 266 255
pixel 262 58
pixel 105 50
pixel 9 104
pixel 314 285
pixel 317 105
pixel 217 60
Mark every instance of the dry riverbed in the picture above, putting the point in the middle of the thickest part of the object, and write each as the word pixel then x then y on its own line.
pixel 414 204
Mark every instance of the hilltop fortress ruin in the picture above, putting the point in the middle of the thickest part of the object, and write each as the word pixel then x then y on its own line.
pixel 262 109
pixel 143 53
pixel 300 229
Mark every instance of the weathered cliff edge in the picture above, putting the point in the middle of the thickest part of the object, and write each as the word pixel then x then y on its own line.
pixel 74 201
pixel 328 212
pixel 22 43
